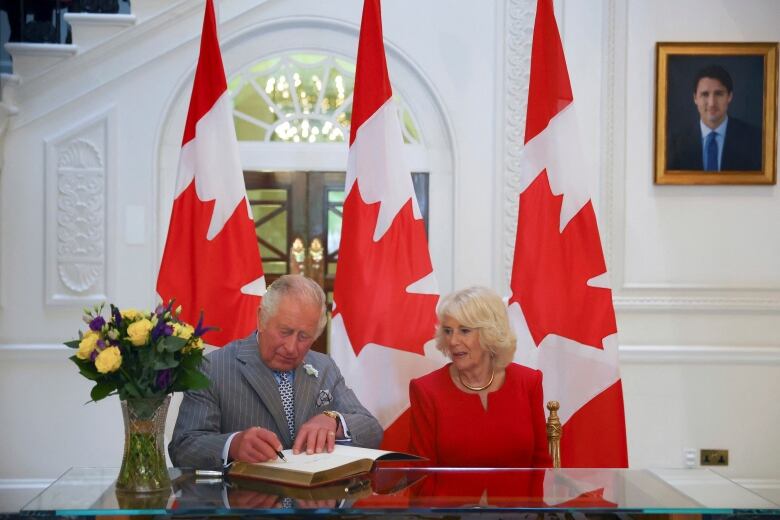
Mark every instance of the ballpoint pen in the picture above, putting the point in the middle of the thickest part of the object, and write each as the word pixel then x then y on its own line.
pixel 214 473
pixel 209 472
pixel 209 476
pixel 281 455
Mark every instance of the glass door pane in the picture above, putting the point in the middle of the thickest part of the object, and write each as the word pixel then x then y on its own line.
pixel 308 206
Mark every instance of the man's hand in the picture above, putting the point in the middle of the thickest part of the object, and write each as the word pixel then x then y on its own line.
pixel 316 435
pixel 254 444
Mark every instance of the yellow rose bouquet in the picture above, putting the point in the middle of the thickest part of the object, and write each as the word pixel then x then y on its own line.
pixel 139 354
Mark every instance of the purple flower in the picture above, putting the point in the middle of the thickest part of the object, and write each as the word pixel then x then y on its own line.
pixel 161 329
pixel 101 344
pixel 97 323
pixel 116 315
pixel 163 379
pixel 93 355
pixel 200 330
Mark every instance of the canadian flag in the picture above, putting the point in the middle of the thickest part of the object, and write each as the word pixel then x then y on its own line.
pixel 211 261
pixel 385 293
pixel 560 306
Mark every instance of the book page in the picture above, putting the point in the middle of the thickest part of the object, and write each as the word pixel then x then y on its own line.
pixel 323 461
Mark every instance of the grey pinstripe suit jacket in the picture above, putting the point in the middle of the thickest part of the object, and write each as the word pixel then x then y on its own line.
pixel 244 393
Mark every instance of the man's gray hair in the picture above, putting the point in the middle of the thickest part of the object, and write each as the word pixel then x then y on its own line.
pixel 295 286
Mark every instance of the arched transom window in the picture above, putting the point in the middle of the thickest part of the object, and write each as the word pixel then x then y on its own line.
pixel 301 97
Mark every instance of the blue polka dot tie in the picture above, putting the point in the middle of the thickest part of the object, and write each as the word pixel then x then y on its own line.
pixel 286 393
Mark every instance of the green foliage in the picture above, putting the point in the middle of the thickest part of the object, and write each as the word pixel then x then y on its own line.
pixel 102 389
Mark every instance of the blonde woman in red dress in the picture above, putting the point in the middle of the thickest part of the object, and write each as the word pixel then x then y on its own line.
pixel 479 410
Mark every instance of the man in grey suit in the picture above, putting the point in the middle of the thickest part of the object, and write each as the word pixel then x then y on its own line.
pixel 717 141
pixel 269 392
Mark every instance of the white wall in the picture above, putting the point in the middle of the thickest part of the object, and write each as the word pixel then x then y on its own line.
pixel 694 269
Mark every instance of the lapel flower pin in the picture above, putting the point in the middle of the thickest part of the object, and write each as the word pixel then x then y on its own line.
pixel 311 370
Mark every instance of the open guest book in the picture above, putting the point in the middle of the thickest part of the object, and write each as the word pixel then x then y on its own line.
pixel 320 468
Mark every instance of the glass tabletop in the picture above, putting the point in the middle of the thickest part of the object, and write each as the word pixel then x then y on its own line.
pixel 414 491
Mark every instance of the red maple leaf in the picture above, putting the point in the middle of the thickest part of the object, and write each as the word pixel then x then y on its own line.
pixel 207 275
pixel 370 290
pixel 552 268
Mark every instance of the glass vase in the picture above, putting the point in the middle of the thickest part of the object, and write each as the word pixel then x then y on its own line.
pixel 144 469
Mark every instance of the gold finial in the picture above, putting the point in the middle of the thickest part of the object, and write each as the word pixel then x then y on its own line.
pixel 554 433
pixel 297 257
pixel 316 252
pixel 317 261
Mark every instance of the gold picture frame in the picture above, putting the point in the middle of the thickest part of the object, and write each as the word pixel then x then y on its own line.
pixel 684 78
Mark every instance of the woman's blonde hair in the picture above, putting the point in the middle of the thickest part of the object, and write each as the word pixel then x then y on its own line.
pixel 481 309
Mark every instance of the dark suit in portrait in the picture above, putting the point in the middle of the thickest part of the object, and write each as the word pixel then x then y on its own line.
pixel 741 148
pixel 244 394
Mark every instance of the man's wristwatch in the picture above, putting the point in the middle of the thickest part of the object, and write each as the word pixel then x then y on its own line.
pixel 333 415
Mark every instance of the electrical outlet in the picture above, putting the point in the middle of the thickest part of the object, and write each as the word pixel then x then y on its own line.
pixel 714 457
pixel 689 457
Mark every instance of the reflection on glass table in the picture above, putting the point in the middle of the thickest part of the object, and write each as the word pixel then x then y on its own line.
pixel 421 491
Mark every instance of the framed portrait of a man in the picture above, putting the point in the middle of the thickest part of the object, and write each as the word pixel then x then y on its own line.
pixel 716 113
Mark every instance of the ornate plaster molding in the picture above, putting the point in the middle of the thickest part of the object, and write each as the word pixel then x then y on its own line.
pixel 716 303
pixel 76 215
pixel 610 158
pixel 518 35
